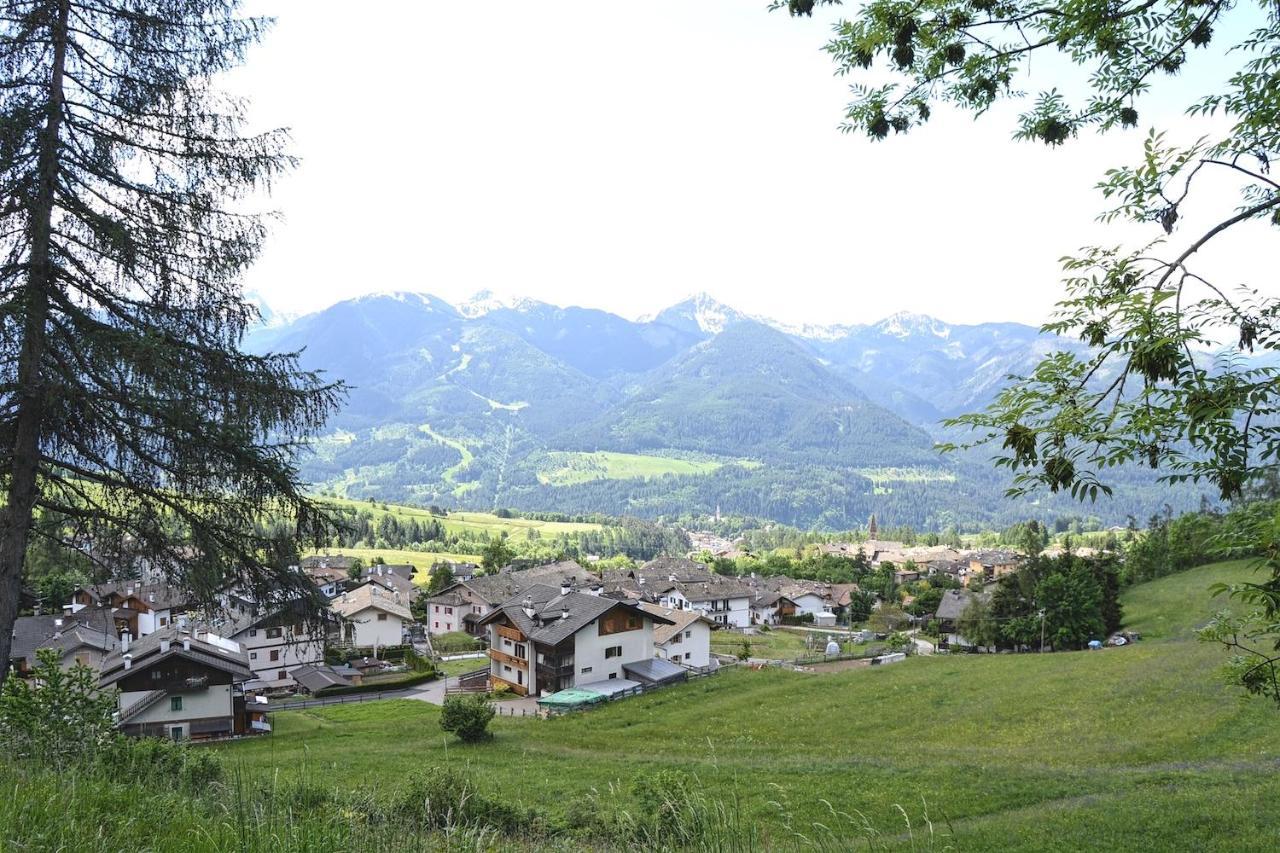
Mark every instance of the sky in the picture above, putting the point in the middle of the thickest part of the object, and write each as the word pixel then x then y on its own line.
pixel 625 155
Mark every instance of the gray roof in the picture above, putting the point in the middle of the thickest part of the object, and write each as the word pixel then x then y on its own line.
pixel 148 651
pixel 955 602
pixel 557 617
pixel 313 677
pixel 655 671
pixel 29 634
pixel 495 589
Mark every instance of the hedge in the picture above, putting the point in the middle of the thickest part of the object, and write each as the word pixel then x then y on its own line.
pixel 411 681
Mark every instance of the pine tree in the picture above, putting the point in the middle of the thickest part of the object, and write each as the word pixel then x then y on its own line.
pixel 125 402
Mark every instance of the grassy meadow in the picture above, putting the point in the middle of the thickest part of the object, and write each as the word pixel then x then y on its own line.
pixel 467 522
pixel 567 468
pixel 1137 748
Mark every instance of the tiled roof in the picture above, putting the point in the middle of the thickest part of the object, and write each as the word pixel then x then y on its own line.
pixel 369 596
pixel 680 619
pixel 557 617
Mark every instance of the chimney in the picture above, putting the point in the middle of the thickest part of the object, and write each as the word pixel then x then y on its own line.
pixel 564 613
pixel 527 606
pixel 597 589
pixel 565 587
pixel 124 640
pixel 186 644
pixel 128 660
pixel 164 647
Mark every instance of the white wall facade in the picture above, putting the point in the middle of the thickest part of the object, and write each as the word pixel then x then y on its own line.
pixel 674 599
pixel 691 647
pixel 443 618
pixel 733 612
pixel 589 654
pixel 373 627
pixel 280 649
pixel 212 701
pixel 809 602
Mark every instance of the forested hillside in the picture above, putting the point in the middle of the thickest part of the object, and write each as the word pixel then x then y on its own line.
pixel 544 408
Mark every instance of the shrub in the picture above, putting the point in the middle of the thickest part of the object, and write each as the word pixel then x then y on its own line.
pixel 467 717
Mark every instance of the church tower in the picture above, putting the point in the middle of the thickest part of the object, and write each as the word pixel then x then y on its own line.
pixel 872 530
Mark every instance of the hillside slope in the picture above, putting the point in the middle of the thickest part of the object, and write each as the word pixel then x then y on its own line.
pixel 1138 748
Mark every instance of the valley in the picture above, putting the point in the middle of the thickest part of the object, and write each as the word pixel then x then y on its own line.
pixel 531 406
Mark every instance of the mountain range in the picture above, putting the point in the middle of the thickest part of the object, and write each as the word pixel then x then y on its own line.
pixel 539 407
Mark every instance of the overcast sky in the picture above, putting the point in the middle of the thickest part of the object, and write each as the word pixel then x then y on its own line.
pixel 625 155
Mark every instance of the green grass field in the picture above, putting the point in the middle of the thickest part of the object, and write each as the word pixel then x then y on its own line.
pixel 462 522
pixel 566 468
pixel 1137 748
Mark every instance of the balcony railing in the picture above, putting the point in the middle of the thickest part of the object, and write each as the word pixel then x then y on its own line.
pixel 512 634
pixel 503 657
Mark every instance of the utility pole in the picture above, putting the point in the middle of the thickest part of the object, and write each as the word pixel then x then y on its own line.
pixel 1041 630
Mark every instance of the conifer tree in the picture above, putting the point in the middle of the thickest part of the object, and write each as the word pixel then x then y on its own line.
pixel 126 405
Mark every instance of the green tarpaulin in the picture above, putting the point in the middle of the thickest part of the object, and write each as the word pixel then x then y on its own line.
pixel 572 698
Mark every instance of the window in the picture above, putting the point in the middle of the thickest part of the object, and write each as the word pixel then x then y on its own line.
pixel 176 732
pixel 382 617
pixel 435 625
pixel 448 611
pixel 274 633
pixel 275 655
pixel 253 655
pixel 522 651
pixel 164 620
pixel 613 675
pixel 613 652
pixel 175 703
pixel 689 634
pixel 585 670
pixel 676 638
pixel 282 675
pixel 253 632
pixel 506 668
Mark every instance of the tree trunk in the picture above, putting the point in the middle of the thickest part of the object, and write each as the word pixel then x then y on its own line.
pixel 15 520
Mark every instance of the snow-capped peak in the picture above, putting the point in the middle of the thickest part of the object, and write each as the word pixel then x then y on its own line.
pixel 905 324
pixel 269 318
pixel 485 301
pixel 701 310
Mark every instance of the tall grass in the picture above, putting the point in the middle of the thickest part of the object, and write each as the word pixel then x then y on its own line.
pixel 96 808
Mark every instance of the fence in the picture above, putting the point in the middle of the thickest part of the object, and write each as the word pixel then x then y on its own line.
pixel 341 699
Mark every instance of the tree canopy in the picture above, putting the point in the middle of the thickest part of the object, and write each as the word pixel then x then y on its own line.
pixel 127 407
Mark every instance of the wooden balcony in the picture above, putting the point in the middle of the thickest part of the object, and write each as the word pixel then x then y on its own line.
pixel 503 657
pixel 512 634
pixel 518 689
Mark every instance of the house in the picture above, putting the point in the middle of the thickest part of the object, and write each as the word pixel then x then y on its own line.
pixel 372 616
pixel 990 565
pixel 685 585
pixel 770 607
pixel 77 641
pixel 140 608
pixel 176 684
pixel 951 610
pixel 686 641
pixel 330 579
pixel 461 605
pixel 278 640
pixel 547 639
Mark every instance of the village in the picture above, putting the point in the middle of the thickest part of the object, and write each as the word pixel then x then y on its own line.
pixel 536 639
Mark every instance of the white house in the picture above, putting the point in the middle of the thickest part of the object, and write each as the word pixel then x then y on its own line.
pixel 807 601
pixel 548 640
pixel 277 640
pixel 686 641
pixel 725 602
pixel 768 607
pixel 372 616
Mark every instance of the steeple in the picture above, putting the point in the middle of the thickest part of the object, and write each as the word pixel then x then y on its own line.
pixel 872 531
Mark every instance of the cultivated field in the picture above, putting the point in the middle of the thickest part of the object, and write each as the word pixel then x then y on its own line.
pixel 1138 748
